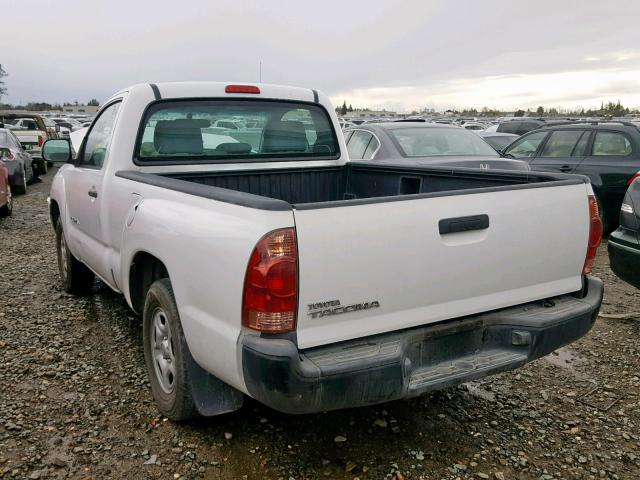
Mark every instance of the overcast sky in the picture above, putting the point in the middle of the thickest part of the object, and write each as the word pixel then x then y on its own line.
pixel 394 54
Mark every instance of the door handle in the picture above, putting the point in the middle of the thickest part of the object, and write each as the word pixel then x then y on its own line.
pixel 93 193
pixel 463 224
pixel 565 168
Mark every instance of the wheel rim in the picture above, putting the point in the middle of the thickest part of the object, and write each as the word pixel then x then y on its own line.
pixel 24 179
pixel 9 199
pixel 162 351
pixel 63 255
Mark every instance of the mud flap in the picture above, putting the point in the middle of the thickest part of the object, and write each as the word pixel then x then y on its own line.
pixel 211 395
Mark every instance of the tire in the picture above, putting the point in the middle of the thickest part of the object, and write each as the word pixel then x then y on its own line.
pixel 606 229
pixel 166 353
pixel 21 189
pixel 7 210
pixel 76 277
pixel 42 167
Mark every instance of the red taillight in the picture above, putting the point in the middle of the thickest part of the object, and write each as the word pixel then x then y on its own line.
pixel 40 140
pixel 270 297
pixel 241 89
pixel 637 175
pixel 595 235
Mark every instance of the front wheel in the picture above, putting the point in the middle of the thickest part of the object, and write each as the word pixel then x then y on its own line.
pixel 76 276
pixel 165 353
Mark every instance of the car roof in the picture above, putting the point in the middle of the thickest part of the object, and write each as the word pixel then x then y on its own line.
pixel 402 125
pixel 591 126
pixel 497 134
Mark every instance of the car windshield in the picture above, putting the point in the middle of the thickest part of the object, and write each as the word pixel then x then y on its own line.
pixel 434 141
pixel 48 123
pixel 215 130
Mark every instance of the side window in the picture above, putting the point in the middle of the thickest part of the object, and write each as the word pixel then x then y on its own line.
pixel 347 135
pixel 14 140
pixel 581 147
pixel 561 143
pixel 371 148
pixel 358 144
pixel 98 139
pixel 611 144
pixel 527 146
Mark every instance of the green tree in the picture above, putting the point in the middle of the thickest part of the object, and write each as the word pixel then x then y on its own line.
pixel 540 110
pixel 93 103
pixel 343 109
pixel 3 89
pixel 519 113
pixel 350 109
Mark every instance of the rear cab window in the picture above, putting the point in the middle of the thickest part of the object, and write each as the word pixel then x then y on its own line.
pixel 210 131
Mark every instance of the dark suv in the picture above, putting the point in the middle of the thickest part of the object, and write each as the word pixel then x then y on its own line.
pixel 607 153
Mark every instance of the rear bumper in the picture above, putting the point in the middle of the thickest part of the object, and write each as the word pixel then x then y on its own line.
pixel 410 362
pixel 625 261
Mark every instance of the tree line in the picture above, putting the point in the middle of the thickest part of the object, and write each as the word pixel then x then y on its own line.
pixel 609 109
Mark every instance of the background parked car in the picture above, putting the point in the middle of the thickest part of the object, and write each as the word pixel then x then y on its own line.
pixel 608 153
pixel 499 141
pixel 70 123
pixel 32 131
pixel 425 144
pixel 624 243
pixel 6 200
pixel 17 160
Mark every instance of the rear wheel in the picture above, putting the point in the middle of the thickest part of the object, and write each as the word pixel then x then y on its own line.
pixel 21 188
pixel 76 277
pixel 7 209
pixel 165 353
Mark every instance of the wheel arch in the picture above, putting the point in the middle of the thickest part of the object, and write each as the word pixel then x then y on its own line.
pixel 144 269
pixel 54 212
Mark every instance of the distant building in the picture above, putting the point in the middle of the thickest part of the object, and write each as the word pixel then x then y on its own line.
pixel 80 109
pixel 371 113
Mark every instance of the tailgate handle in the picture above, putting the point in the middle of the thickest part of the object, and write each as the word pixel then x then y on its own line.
pixel 463 224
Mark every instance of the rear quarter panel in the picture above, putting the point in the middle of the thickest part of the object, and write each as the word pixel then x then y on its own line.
pixel 205 246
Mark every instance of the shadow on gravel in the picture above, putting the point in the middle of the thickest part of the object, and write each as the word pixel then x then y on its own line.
pixel 340 444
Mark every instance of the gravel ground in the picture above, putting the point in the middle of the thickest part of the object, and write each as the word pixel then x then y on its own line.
pixel 76 402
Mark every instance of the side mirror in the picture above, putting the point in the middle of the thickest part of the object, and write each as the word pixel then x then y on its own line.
pixel 57 151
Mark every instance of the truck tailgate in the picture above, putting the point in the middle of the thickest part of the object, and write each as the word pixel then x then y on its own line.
pixel 387 265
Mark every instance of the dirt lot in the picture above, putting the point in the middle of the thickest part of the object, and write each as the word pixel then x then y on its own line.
pixel 75 400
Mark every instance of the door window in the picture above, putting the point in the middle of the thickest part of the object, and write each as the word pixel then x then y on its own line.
pixel 99 137
pixel 611 144
pixel 581 147
pixel 527 146
pixel 561 143
pixel 358 143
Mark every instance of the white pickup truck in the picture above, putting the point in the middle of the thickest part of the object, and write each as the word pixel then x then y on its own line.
pixel 285 272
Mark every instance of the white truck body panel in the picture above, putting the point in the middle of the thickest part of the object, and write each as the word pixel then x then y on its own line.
pixel 390 252
pixel 393 253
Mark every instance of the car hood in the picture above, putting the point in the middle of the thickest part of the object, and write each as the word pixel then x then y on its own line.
pixel 472 161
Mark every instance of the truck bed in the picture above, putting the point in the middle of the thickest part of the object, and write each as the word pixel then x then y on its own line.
pixel 432 243
pixel 351 184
